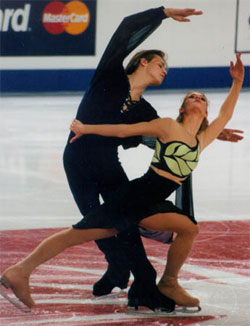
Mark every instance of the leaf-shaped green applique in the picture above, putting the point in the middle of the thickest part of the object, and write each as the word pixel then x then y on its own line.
pixel 171 149
pixel 172 165
pixel 192 165
pixel 182 150
pixel 185 170
pixel 198 152
pixel 156 157
pixel 191 156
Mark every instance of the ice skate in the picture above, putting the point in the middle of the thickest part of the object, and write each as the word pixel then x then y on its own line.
pixel 109 281
pixel 13 279
pixel 7 295
pixel 147 295
pixel 172 289
pixel 115 293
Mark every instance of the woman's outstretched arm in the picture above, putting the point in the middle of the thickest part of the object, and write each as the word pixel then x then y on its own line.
pixel 227 108
pixel 155 128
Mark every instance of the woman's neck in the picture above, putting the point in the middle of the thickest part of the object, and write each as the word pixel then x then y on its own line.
pixel 192 124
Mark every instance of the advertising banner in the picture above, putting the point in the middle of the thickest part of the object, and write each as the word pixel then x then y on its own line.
pixel 47 28
pixel 242 40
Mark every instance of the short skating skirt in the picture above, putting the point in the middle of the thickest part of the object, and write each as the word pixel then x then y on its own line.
pixel 136 200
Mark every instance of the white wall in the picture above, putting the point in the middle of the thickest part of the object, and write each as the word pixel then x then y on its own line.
pixel 209 40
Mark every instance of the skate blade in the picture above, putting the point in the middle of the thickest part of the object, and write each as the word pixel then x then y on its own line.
pixel 188 310
pixel 181 311
pixel 15 302
pixel 108 296
pixel 149 313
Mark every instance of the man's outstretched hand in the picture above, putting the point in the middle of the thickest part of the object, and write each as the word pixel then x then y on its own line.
pixel 231 135
pixel 181 14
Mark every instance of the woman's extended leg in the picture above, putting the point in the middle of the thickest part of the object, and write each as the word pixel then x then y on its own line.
pixel 177 254
pixel 17 276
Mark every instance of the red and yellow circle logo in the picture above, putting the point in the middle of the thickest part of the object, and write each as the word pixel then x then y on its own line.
pixel 73 17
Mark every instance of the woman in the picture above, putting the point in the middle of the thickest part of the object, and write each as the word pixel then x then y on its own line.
pixel 179 144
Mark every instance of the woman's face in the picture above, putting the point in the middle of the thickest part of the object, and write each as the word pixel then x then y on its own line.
pixel 156 70
pixel 196 101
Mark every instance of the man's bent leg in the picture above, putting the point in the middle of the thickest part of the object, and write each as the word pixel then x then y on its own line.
pixel 117 273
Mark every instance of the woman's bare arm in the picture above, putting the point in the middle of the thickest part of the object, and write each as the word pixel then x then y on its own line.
pixel 227 108
pixel 156 127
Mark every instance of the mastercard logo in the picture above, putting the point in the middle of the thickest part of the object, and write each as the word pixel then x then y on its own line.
pixel 72 17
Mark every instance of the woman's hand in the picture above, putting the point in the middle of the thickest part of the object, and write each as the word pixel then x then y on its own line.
pixel 78 129
pixel 237 70
pixel 181 14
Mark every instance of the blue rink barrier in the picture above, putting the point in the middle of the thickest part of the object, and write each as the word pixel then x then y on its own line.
pixel 73 80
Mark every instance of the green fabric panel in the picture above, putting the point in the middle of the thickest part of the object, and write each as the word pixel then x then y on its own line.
pixel 191 156
pixel 171 149
pixel 185 170
pixel 156 157
pixel 182 150
pixel 172 165
pixel 192 165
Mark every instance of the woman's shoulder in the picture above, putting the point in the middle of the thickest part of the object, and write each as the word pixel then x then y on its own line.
pixel 170 122
pixel 164 121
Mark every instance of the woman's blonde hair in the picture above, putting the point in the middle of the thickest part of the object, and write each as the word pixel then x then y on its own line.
pixel 181 115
